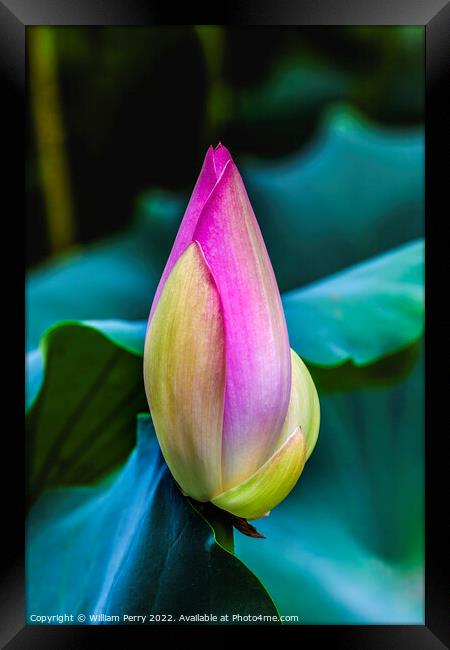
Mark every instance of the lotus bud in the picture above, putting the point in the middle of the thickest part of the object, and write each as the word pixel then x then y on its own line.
pixel 235 409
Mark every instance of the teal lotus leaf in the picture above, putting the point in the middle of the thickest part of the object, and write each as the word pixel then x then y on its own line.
pixel 133 545
pixel 347 545
pixel 83 392
pixel 356 190
pixel 361 314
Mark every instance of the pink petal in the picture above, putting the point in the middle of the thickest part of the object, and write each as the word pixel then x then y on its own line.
pixel 221 157
pixel 202 190
pixel 258 362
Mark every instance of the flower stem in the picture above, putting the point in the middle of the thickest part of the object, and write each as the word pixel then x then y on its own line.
pixel 220 521
pixel 50 137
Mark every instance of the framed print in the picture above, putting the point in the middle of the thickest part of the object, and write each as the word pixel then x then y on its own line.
pixel 231 409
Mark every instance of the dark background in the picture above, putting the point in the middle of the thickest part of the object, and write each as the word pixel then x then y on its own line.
pixel 114 111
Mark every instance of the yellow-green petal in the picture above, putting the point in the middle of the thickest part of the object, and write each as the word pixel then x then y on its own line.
pixel 304 407
pixel 184 375
pixel 270 484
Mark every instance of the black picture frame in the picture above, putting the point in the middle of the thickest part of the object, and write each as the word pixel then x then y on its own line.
pixel 434 15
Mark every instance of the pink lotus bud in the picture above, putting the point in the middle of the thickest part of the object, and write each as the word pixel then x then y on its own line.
pixel 235 410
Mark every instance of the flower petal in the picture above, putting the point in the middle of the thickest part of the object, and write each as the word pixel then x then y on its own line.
pixel 304 407
pixel 270 484
pixel 184 375
pixel 258 362
pixel 221 157
pixel 205 183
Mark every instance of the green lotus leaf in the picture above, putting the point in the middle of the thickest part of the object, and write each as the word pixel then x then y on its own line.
pixel 134 545
pixel 347 545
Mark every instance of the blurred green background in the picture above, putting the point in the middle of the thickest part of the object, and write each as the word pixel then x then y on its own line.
pixel 326 126
pixel 115 111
